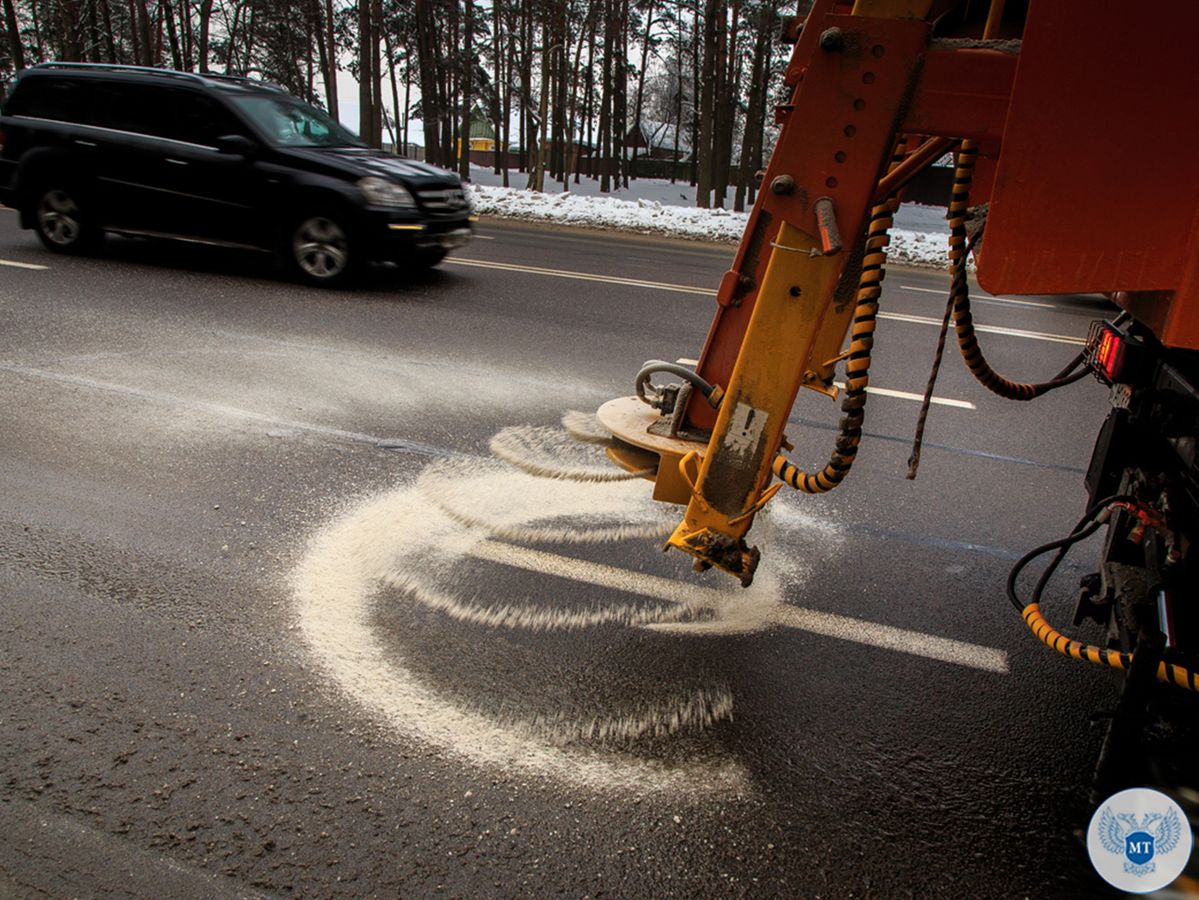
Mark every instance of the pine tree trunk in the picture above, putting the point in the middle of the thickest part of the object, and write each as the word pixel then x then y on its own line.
pixel 331 53
pixel 186 35
pixel 637 103
pixel 168 15
pixel 727 86
pixel 707 104
pixel 468 65
pixel 109 35
pixel 589 101
pixel 366 75
pixel 205 29
pixel 16 50
pixel 426 52
pixel 605 119
pixel 501 83
pixel 753 113
pixel 696 51
pixel 377 72
pixel 397 139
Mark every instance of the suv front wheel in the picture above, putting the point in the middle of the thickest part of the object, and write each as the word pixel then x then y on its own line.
pixel 320 252
pixel 61 222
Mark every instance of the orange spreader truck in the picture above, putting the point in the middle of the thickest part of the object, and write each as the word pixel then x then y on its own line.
pixel 1074 145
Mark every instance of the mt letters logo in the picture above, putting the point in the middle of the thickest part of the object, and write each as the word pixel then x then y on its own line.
pixel 1139 840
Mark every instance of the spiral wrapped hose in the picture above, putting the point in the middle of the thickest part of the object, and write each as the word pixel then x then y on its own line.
pixel 857 366
pixel 963 320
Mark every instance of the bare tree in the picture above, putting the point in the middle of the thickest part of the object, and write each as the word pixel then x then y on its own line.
pixel 468 67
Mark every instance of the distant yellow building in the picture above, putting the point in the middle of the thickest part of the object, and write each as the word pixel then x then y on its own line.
pixel 482 134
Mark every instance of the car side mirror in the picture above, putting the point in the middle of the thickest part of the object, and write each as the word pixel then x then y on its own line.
pixel 236 145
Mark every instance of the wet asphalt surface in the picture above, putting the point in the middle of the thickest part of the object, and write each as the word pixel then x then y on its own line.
pixel 194 707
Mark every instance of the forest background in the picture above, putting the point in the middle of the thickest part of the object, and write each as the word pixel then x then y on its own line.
pixel 559 89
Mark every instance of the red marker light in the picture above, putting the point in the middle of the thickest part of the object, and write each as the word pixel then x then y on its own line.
pixel 1110 355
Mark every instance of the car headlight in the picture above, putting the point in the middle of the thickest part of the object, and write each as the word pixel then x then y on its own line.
pixel 384 192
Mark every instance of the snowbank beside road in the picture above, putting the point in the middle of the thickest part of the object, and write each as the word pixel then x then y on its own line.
pixel 653 217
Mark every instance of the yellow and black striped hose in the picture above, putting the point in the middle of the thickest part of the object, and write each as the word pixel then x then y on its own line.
pixel 1092 521
pixel 963 321
pixel 857 366
pixel 1113 659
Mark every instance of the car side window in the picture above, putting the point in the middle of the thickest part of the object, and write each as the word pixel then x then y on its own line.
pixel 60 99
pixel 201 120
pixel 137 108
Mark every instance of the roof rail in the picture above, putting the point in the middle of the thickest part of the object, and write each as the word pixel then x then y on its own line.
pixel 152 70
pixel 116 67
pixel 242 79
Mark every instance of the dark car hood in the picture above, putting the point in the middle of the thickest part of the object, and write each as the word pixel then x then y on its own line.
pixel 363 162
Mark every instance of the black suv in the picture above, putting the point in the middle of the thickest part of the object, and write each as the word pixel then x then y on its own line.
pixel 90 148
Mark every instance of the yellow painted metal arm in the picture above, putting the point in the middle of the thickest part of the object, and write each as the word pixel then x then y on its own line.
pixel 794 313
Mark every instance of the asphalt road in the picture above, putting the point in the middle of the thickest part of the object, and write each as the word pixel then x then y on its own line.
pixel 277 618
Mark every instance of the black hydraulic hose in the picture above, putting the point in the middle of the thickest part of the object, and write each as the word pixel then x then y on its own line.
pixel 960 295
pixel 1061 544
pixel 1075 538
pixel 1091 522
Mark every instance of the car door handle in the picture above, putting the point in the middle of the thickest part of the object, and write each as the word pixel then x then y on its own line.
pixel 85 143
pixel 177 162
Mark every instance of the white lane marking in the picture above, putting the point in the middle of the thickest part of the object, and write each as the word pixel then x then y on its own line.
pixel 483 237
pixel 873 634
pixel 919 398
pixel 708 292
pixel 846 628
pixel 990 329
pixel 882 392
pixel 583 276
pixel 944 292
pixel 12 263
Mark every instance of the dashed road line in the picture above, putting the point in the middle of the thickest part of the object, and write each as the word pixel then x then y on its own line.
pixel 944 292
pixel 990 329
pixel 708 292
pixel 12 263
pixel 583 276
pixel 919 398
pixel 882 392
pixel 846 628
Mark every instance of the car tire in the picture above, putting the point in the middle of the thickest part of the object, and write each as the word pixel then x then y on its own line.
pixel 319 250
pixel 61 221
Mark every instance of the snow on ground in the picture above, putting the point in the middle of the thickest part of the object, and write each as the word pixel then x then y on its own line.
pixel 652 206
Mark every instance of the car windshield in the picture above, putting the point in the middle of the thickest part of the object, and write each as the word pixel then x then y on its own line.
pixel 295 124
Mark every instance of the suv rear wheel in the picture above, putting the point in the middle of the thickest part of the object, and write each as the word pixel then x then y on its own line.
pixel 61 222
pixel 320 252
